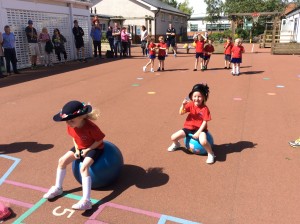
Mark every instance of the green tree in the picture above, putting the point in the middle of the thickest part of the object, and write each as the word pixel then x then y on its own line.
pixel 184 7
pixel 238 6
pixel 173 3
pixel 214 10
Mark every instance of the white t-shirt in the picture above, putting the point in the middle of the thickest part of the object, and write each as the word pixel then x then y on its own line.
pixel 144 35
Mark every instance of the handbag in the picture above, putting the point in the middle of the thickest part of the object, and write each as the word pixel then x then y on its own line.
pixel 49 46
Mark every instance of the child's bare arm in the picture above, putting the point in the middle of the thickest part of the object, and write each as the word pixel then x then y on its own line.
pixel 77 151
pixel 182 109
pixel 202 127
pixel 93 146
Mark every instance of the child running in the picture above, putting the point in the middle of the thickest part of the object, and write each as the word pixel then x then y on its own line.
pixel 88 139
pixel 236 56
pixel 162 47
pixel 208 50
pixel 227 52
pixel 199 40
pixel 196 121
pixel 152 52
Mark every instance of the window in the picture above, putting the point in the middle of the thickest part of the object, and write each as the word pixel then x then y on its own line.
pixel 176 19
pixel 103 26
pixel 170 18
pixel 163 16
pixel 194 27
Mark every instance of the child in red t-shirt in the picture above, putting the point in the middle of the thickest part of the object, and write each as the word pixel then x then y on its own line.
pixel 199 41
pixel 208 50
pixel 196 121
pixel 236 56
pixel 227 52
pixel 88 146
pixel 162 47
pixel 152 52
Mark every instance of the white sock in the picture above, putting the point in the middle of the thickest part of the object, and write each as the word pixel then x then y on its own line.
pixel 60 176
pixel 237 69
pixel 86 188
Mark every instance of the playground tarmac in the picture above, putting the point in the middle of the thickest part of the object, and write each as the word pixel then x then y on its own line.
pixel 255 178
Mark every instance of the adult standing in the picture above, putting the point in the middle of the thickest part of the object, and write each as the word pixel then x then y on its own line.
pixel 171 38
pixel 96 35
pixel 144 36
pixel 9 43
pixel 1 55
pixel 110 38
pixel 32 38
pixel 79 43
pixel 117 39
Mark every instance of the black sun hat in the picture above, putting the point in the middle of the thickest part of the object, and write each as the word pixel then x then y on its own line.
pixel 202 88
pixel 71 110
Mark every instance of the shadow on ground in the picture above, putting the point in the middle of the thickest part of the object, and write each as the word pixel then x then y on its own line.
pixel 17 147
pixel 221 151
pixel 42 72
pixel 131 175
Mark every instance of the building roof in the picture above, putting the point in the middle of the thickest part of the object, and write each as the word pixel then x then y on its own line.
pixel 295 9
pixel 161 5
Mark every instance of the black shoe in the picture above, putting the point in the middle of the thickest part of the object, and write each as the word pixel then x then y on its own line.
pixel 158 69
pixel 225 67
pixel 163 69
pixel 195 69
pixel 17 72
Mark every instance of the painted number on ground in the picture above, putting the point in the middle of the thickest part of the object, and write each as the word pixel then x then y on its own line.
pixel 64 212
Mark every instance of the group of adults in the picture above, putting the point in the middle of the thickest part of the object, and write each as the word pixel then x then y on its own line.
pixel 119 41
pixel 170 39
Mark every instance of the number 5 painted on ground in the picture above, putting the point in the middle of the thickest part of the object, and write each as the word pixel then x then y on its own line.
pixel 54 212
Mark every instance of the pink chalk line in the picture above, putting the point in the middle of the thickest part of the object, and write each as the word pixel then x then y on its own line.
pixel 18 184
pixel 121 207
pixel 15 202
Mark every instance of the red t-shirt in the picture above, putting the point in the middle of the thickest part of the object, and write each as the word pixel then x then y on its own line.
pixel 199 46
pixel 208 49
pixel 236 51
pixel 86 135
pixel 228 48
pixel 196 116
pixel 162 52
pixel 151 45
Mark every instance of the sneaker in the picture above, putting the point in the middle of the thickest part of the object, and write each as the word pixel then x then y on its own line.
pixel 158 69
pixel 151 70
pixel 82 205
pixel 210 158
pixel 53 192
pixel 295 143
pixel 195 69
pixel 225 67
pixel 174 147
pixel 174 55
pixel 144 68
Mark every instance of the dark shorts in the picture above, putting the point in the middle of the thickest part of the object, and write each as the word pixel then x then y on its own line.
pixel 227 57
pixel 236 60
pixel 206 57
pixel 171 42
pixel 94 153
pixel 79 43
pixel 152 56
pixel 199 55
pixel 188 131
pixel 161 58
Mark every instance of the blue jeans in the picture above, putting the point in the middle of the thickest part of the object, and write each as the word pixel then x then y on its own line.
pixel 117 47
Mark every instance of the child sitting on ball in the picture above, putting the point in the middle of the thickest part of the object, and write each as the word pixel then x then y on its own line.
pixel 196 121
pixel 88 146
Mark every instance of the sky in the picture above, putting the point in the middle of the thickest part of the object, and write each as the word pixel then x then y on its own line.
pixel 198 5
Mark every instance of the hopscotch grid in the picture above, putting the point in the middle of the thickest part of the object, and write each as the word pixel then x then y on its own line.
pixel 11 168
pixel 33 208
